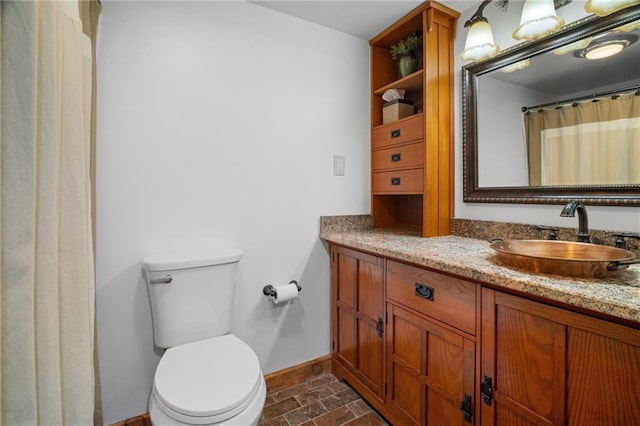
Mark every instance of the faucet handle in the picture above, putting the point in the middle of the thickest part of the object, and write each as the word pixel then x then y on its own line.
pixel 553 231
pixel 620 238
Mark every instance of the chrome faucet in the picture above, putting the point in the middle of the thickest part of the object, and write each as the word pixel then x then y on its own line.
pixel 583 222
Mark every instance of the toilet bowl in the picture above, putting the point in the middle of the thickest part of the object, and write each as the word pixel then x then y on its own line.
pixel 206 376
pixel 216 381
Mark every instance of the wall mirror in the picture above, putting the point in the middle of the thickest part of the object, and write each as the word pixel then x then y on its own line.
pixel 544 122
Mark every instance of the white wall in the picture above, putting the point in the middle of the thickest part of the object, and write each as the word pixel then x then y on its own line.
pixel 600 217
pixel 217 126
pixel 504 159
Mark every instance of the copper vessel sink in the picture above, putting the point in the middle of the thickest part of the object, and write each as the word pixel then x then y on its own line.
pixel 582 260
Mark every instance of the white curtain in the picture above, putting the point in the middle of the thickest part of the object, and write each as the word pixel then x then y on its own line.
pixel 46 256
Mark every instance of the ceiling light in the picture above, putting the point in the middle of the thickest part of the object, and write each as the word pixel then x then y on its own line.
pixel 607 7
pixel 604 50
pixel 479 44
pixel 607 45
pixel 538 20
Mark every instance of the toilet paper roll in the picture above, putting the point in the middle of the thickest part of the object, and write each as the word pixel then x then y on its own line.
pixel 284 293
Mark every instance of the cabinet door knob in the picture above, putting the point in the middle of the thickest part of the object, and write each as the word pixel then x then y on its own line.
pixel 395 181
pixel 395 157
pixel 379 327
pixel 395 133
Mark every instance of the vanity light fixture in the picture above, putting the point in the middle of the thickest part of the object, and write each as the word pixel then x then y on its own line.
pixel 607 7
pixel 520 65
pixel 538 20
pixel 479 44
pixel 627 28
pixel 578 45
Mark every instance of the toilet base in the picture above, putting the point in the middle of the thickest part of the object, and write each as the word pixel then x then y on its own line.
pixel 249 417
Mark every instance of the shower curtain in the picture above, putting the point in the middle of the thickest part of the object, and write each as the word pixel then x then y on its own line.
pixel 585 143
pixel 46 246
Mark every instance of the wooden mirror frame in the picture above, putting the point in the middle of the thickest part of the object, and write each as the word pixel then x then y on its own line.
pixel 614 195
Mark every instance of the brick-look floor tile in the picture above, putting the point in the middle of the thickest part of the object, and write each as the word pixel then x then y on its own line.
pixel 302 414
pixel 337 386
pixel 337 417
pixel 323 380
pixel 359 407
pixel 322 401
pixel 339 399
pixel 276 421
pixel 313 395
pixel 289 392
pixel 279 408
pixel 370 419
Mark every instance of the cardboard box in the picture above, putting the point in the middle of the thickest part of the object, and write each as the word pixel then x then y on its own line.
pixel 395 110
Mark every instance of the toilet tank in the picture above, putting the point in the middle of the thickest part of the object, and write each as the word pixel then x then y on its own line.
pixel 191 294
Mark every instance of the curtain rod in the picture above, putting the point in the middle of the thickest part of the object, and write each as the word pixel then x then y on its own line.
pixel 593 97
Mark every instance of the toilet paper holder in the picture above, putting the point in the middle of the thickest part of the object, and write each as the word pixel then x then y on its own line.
pixel 269 290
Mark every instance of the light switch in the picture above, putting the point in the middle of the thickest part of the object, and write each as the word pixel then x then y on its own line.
pixel 338 165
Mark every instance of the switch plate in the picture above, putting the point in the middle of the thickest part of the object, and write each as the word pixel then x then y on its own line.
pixel 338 165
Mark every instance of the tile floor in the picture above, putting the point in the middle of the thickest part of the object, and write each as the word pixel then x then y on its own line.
pixel 320 401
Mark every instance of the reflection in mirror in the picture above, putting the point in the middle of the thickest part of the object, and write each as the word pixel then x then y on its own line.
pixel 558 119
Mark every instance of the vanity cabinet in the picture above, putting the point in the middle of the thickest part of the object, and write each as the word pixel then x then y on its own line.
pixel 430 346
pixel 412 158
pixel 357 317
pixel 543 365
pixel 426 347
pixel 415 360
pixel 430 371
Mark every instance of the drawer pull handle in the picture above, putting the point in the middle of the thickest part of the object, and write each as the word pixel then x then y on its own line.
pixel 395 133
pixel 395 157
pixel 395 181
pixel 424 291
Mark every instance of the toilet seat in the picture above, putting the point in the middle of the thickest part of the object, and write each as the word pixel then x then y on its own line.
pixel 207 381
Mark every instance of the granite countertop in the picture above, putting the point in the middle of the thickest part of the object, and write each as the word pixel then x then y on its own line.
pixel 617 296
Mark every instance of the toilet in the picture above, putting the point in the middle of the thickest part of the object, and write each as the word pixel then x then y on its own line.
pixel 207 376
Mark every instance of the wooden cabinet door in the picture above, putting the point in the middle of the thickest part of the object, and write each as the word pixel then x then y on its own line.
pixel 430 370
pixel 549 366
pixel 358 312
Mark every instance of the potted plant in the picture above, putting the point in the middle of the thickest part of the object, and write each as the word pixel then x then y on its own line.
pixel 407 52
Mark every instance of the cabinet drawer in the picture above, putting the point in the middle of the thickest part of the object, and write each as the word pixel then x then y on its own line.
pixel 450 300
pixel 398 182
pixel 404 130
pixel 399 157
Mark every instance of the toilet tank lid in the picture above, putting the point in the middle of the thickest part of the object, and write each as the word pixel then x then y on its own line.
pixel 182 260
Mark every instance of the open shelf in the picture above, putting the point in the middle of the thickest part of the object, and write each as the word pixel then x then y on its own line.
pixel 410 83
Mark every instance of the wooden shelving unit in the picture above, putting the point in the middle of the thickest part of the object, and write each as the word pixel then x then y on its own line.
pixel 398 201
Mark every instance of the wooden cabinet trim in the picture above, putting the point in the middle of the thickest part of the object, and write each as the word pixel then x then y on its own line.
pixel 571 318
